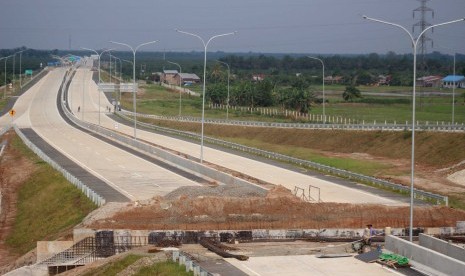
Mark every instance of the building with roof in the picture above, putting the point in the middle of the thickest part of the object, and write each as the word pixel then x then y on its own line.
pixel 334 80
pixel 168 76
pixel 453 80
pixel 430 81
pixel 186 78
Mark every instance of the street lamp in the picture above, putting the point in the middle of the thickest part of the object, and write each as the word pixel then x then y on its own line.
pixel 180 84
pixel 14 64
pixel 414 43
pixel 20 69
pixel 99 79
pixel 134 50
pixel 227 101
pixel 205 45
pixel 322 64
pixel 4 88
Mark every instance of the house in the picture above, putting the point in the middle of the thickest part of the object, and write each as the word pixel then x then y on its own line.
pixel 186 78
pixel 258 77
pixel 453 80
pixel 168 76
pixel 429 81
pixel 333 80
pixel 384 80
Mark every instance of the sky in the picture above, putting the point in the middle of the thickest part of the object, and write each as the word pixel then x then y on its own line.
pixel 263 26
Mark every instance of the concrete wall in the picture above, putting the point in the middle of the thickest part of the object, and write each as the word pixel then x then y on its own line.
pixel 424 256
pixel 442 247
pixel 46 249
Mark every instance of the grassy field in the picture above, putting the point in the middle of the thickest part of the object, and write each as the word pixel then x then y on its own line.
pixel 161 101
pixel 47 205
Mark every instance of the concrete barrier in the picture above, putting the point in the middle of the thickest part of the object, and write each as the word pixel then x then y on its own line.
pixel 442 247
pixel 437 263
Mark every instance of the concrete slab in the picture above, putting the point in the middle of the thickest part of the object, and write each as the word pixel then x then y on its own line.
pixel 46 249
pixel 308 265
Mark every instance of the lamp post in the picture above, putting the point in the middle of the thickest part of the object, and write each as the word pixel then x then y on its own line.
pixel 14 64
pixel 322 64
pixel 99 79
pixel 205 45
pixel 134 50
pixel 180 84
pixel 227 100
pixel 414 43
pixel 4 88
pixel 120 80
pixel 20 69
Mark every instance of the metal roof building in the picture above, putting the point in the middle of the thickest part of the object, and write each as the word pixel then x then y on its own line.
pixel 453 80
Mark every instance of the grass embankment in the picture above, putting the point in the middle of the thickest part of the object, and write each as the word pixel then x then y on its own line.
pixel 114 268
pixel 47 206
pixel 434 149
pixel 3 103
pixel 162 268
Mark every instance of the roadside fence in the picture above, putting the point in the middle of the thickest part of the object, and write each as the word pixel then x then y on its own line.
pixel 190 263
pixel 342 125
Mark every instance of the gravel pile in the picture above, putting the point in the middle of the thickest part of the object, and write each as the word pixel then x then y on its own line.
pixel 218 191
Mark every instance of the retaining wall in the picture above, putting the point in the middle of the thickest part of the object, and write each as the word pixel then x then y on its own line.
pixel 442 247
pixel 439 263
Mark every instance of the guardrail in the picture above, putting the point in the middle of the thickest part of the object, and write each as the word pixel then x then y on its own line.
pixel 418 194
pixel 4 130
pixel 190 263
pixel 330 126
pixel 93 196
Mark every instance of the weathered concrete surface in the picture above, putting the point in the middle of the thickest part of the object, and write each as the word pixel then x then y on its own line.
pixel 29 271
pixel 440 264
pixel 307 265
pixel 46 249
pixel 442 247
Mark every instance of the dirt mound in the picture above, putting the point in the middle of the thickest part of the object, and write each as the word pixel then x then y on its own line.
pixel 277 210
pixel 219 191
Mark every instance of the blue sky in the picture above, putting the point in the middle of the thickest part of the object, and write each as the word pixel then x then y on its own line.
pixel 293 26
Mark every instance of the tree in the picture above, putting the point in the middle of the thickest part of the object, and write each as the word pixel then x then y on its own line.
pixel 217 93
pixel 351 93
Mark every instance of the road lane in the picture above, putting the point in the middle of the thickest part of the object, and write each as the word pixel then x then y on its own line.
pixel 133 176
pixel 330 192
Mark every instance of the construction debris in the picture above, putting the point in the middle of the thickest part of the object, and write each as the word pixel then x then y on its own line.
pixel 219 249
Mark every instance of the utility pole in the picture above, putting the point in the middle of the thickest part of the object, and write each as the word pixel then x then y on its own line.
pixel 422 25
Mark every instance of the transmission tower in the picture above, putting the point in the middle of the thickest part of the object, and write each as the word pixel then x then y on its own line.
pixel 422 25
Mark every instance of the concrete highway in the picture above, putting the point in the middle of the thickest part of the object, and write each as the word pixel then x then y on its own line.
pixel 132 176
pixel 83 93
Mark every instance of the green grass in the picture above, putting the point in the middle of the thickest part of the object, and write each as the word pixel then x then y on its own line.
pixel 47 205
pixel 2 103
pixel 114 268
pixel 164 269
pixel 161 101
pixel 357 166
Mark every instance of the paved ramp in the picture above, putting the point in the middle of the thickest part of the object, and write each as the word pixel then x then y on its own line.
pixel 93 182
